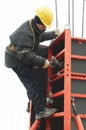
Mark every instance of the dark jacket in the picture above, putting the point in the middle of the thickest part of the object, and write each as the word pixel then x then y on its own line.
pixel 26 40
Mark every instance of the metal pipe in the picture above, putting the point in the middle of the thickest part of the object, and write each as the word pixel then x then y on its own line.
pixel 72 17
pixel 83 10
pixel 56 14
pixel 69 12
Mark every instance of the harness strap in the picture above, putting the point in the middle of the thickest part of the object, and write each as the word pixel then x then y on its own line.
pixel 33 34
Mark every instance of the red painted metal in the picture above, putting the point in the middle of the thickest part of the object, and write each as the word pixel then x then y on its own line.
pixel 81 115
pixel 68 76
pixel 49 73
pixel 35 125
pixel 58 94
pixel 48 124
pixel 78 95
pixel 79 39
pixel 78 76
pixel 67 81
pixel 78 57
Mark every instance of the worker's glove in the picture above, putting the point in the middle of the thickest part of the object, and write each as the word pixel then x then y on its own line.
pixel 54 62
pixel 46 65
pixel 57 31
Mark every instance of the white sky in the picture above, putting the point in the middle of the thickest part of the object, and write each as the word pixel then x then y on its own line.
pixel 13 98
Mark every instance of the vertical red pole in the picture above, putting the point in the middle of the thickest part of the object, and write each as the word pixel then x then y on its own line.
pixel 49 71
pixel 67 80
pixel 49 89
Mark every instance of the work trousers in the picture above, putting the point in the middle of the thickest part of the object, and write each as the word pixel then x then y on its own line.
pixel 35 82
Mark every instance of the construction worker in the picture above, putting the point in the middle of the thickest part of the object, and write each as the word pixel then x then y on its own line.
pixel 22 56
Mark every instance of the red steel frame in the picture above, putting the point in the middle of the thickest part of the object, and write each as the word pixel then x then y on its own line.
pixel 68 75
pixel 67 80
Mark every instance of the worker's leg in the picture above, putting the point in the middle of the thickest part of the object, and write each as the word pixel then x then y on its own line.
pixel 34 91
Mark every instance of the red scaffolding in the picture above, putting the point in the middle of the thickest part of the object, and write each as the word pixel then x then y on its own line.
pixel 66 81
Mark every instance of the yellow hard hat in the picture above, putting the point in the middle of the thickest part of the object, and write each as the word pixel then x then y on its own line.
pixel 46 16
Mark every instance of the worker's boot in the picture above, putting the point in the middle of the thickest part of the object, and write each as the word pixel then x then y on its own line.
pixel 46 113
pixel 48 101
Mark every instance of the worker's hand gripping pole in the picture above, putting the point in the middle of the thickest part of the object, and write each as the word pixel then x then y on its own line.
pixel 54 62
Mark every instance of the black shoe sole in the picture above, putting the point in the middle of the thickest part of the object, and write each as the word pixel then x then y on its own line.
pixel 46 115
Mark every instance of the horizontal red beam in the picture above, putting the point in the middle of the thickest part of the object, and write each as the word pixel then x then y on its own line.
pixel 79 39
pixel 56 78
pixel 78 95
pixel 78 76
pixel 81 115
pixel 78 57
pixel 58 114
pixel 56 74
pixel 60 54
pixel 58 94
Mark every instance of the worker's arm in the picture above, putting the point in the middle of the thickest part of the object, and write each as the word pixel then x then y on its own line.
pixel 36 60
pixel 49 35
pixel 28 57
pixel 32 58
